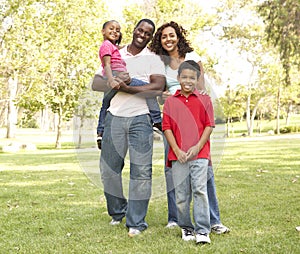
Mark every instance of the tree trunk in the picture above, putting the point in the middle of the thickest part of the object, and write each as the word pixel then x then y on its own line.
pixel 227 129
pixel 12 110
pixel 44 121
pixel 58 136
pixel 278 111
pixel 248 114
pixel 80 128
pixel 288 113
pixel 253 116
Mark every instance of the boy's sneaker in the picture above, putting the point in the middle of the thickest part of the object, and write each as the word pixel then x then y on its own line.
pixel 133 232
pixel 172 224
pixel 115 222
pixel 202 238
pixel 219 229
pixel 187 235
pixel 99 141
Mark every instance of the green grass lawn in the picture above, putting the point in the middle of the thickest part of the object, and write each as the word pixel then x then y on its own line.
pixel 52 202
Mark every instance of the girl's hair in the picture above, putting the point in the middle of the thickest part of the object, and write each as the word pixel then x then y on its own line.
pixel 183 44
pixel 117 42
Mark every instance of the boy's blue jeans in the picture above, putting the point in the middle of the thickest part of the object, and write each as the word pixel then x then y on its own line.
pixel 211 192
pixel 151 102
pixel 190 181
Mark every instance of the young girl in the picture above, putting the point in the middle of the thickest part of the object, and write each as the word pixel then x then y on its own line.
pixel 113 64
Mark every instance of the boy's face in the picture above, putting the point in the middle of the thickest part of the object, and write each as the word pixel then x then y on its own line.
pixel 188 80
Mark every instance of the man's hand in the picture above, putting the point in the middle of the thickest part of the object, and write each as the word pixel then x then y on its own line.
pixel 114 84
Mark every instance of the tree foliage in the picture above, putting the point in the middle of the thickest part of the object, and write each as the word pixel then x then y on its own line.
pixel 189 14
pixel 51 47
pixel 282 19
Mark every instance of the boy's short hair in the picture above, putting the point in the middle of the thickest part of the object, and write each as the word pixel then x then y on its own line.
pixel 190 65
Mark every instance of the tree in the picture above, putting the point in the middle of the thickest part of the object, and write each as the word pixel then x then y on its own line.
pixel 232 104
pixel 189 14
pixel 53 46
pixel 89 103
pixel 282 19
pixel 249 39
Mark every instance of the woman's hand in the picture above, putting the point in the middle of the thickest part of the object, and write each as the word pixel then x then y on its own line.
pixel 203 92
pixel 165 95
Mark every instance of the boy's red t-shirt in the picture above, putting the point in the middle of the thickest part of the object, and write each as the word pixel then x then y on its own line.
pixel 187 117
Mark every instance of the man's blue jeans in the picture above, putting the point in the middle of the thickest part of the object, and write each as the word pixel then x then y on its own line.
pixel 190 180
pixel 211 192
pixel 122 134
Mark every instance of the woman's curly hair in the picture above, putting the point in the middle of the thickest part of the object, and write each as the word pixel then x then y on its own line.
pixel 183 44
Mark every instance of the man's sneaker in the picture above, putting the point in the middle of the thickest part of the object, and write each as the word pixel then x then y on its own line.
pixel 172 224
pixel 115 222
pixel 219 229
pixel 202 238
pixel 187 235
pixel 133 232
pixel 99 141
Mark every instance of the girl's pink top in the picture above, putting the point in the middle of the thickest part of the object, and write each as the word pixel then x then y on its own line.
pixel 116 61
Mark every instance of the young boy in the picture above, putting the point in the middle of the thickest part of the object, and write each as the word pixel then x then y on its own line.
pixel 188 121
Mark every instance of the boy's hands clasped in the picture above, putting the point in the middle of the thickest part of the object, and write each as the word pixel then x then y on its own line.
pixel 183 157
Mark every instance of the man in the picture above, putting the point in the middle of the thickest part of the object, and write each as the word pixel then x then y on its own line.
pixel 128 127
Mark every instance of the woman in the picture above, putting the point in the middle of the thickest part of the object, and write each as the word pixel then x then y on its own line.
pixel 170 43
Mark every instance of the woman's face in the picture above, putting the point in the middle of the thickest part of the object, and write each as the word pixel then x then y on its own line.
pixel 169 39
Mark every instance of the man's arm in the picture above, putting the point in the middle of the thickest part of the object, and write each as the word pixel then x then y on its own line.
pixel 153 89
pixel 100 84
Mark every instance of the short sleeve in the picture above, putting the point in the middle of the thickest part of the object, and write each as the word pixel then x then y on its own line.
pixel 106 49
pixel 157 65
pixel 192 56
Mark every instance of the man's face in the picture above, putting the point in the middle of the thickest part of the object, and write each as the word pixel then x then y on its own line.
pixel 142 35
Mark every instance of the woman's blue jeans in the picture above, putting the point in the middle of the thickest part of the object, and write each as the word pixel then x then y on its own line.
pixel 122 134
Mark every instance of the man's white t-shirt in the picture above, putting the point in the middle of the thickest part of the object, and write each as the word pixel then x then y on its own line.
pixel 140 66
